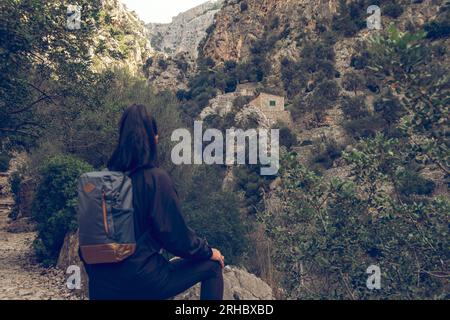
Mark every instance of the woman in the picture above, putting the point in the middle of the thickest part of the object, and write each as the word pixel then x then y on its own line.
pixel 158 224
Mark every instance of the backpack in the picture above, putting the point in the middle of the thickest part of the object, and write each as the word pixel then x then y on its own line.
pixel 105 217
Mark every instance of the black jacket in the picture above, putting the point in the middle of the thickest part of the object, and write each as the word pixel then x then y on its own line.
pixel 159 223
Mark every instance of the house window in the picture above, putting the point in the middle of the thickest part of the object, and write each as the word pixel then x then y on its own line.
pixel 273 103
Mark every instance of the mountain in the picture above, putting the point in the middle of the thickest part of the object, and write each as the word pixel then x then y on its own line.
pixel 121 39
pixel 186 30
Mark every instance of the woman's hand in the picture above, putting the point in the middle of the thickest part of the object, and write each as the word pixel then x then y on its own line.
pixel 217 256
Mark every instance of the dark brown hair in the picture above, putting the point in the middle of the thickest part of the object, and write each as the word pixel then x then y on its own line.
pixel 137 145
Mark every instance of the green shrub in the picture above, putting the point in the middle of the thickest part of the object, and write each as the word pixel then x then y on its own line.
pixel 350 18
pixel 216 217
pixel 54 206
pixel 250 181
pixel 294 80
pixel 360 61
pixel 372 83
pixel 331 232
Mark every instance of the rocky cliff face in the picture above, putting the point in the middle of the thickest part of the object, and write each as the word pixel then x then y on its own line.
pixel 122 38
pixel 239 23
pixel 186 31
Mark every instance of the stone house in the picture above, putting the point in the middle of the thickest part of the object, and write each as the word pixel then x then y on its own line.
pixel 272 107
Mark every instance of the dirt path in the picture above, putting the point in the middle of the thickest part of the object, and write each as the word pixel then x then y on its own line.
pixel 21 277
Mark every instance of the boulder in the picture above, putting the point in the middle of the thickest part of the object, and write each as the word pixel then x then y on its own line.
pixel 68 256
pixel 238 285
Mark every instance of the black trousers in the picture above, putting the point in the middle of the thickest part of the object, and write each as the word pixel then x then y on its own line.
pixel 186 273
pixel 157 280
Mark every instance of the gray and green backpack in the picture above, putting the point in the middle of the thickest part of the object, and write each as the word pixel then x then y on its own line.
pixel 105 217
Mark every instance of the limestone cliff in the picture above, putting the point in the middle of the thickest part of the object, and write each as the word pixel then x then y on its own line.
pixel 121 40
pixel 239 23
pixel 186 30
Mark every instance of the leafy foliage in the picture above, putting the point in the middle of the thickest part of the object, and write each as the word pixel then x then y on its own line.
pixel 328 233
pixel 54 207
pixel 222 223
pixel 42 63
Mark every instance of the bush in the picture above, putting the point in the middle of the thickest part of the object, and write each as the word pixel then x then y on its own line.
pixel 54 206
pixel 327 152
pixel 410 183
pixel 349 19
pixel 393 10
pixel 244 6
pixel 287 137
pixel 294 80
pixel 372 84
pixel 325 95
pixel 365 127
pixel 241 101
pixel 250 181
pixel 360 61
pixel 332 230
pixel 221 223
pixel 5 159
pixel 437 29
pixel 163 64
pixel 353 82
pixel 354 107
pixel 389 107
pixel 15 181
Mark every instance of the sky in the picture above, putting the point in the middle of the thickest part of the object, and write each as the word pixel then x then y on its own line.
pixel 160 11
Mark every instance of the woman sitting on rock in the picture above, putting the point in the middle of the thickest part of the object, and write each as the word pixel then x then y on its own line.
pixel 158 224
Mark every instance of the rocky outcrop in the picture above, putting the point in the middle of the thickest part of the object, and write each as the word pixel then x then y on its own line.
pixel 238 285
pixel 186 31
pixel 68 256
pixel 239 23
pixel 122 39
pixel 166 72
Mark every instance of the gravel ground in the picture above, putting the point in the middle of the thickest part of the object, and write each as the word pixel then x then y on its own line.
pixel 21 277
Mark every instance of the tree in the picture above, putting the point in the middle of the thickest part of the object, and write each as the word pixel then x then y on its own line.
pixel 353 82
pixel 422 81
pixel 37 48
